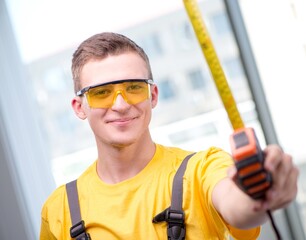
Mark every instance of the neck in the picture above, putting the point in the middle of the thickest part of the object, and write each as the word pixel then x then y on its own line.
pixel 116 164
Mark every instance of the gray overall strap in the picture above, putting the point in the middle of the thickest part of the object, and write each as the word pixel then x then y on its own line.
pixel 174 215
pixel 177 187
pixel 77 230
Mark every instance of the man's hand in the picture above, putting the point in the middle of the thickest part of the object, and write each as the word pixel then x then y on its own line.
pixel 284 179
pixel 242 211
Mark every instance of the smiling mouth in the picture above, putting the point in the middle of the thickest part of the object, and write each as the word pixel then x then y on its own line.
pixel 121 121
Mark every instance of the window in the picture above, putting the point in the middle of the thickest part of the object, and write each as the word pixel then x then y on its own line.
pixel 197 79
pixel 220 23
pixel 166 89
pixel 152 45
pixel 186 31
pixel 184 35
pixel 233 68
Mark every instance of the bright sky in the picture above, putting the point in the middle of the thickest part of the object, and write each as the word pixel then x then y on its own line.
pixel 45 26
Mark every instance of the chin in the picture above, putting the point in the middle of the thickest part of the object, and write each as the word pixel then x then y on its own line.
pixel 122 143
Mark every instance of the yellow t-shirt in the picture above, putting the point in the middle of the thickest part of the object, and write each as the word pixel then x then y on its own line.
pixel 125 210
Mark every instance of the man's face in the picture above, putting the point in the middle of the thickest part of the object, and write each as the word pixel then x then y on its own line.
pixel 121 124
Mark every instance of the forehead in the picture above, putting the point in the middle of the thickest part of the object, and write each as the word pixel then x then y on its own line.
pixel 115 67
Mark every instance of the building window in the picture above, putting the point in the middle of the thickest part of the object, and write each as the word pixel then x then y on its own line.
pixel 166 89
pixel 221 24
pixel 152 45
pixel 197 79
pixel 186 31
pixel 233 68
pixel 184 35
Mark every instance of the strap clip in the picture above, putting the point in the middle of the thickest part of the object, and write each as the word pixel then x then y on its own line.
pixel 176 226
pixel 176 223
pixel 77 231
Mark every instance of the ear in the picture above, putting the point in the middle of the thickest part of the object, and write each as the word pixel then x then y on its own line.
pixel 154 95
pixel 78 107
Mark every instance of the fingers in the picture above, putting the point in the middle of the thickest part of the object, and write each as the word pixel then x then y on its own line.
pixel 284 179
pixel 279 164
pixel 284 175
pixel 273 157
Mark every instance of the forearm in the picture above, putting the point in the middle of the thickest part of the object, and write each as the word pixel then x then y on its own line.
pixel 235 207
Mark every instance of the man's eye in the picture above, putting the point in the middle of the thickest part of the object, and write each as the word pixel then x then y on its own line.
pixel 101 92
pixel 134 87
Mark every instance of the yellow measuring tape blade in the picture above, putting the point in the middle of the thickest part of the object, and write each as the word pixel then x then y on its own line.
pixel 213 62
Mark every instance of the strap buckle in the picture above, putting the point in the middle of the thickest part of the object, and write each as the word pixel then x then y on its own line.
pixel 77 231
pixel 175 217
pixel 176 223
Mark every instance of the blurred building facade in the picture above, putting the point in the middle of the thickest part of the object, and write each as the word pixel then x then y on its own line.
pixel 179 69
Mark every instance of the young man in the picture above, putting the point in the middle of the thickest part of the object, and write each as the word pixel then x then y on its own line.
pixel 131 181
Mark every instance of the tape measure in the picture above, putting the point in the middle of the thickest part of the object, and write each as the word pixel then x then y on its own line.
pixel 247 154
pixel 251 175
pixel 214 64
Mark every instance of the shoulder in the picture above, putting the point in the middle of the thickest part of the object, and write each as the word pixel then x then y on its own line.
pixel 170 157
pixel 55 215
pixel 208 167
pixel 174 151
pixel 55 202
pixel 212 158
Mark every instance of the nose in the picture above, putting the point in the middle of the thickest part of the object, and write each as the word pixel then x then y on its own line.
pixel 119 102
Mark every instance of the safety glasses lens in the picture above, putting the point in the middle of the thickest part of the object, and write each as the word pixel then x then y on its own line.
pixel 104 96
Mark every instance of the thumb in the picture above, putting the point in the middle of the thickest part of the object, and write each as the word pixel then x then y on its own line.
pixel 232 172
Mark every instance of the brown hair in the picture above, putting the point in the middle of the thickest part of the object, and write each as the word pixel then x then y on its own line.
pixel 100 46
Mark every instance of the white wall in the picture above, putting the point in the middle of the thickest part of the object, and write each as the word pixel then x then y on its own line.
pixel 275 31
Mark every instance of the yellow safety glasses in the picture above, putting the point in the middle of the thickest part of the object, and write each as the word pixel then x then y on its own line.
pixel 104 95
